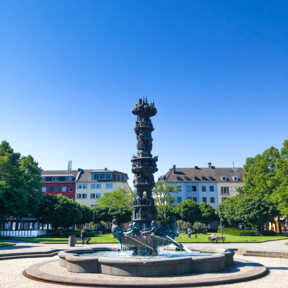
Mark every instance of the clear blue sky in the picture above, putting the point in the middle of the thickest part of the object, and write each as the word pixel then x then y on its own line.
pixel 72 71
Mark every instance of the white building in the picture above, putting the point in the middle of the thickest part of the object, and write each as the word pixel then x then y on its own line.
pixel 211 185
pixel 92 184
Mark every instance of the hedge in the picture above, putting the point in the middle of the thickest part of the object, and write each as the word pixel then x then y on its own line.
pixel 66 234
pixel 236 232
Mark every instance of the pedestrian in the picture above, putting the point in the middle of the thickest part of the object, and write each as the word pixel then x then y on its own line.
pixel 214 238
pixel 83 232
pixel 189 232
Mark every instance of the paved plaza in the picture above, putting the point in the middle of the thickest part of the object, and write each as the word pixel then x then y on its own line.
pixel 11 270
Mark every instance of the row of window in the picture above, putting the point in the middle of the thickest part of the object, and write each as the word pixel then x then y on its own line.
pixel 108 176
pixel 194 188
pixel 195 199
pixel 84 196
pixel 95 186
pixel 57 189
pixel 223 178
pixel 67 178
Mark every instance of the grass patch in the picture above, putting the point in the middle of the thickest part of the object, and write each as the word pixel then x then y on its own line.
pixel 108 238
pixel 229 238
pixel 4 244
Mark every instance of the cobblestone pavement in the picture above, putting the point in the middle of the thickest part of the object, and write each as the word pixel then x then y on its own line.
pixel 11 270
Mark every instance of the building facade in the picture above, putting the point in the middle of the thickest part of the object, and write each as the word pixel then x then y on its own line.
pixel 211 185
pixel 59 182
pixel 92 184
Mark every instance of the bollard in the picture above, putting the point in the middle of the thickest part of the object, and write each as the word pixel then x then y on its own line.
pixel 72 241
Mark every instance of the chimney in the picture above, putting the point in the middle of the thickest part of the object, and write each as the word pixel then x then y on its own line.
pixel 209 164
pixel 174 169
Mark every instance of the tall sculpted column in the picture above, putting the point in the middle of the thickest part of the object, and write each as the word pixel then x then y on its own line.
pixel 144 165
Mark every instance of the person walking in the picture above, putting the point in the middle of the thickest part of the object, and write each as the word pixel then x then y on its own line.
pixel 82 234
pixel 189 232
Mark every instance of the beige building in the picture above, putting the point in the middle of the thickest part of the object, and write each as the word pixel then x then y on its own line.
pixel 92 184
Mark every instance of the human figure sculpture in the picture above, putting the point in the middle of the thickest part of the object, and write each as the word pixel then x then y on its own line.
pixel 164 229
pixel 133 230
pixel 152 230
pixel 117 232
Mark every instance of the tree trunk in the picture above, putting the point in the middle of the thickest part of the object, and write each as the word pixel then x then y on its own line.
pixel 279 225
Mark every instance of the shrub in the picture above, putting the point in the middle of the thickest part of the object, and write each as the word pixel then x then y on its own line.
pixel 199 227
pixel 66 234
pixel 183 226
pixel 268 233
pixel 236 232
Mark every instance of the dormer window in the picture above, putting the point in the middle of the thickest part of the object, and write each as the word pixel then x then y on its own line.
pixel 196 178
pixel 235 178
pixel 179 178
pixel 186 178
pixel 43 178
pixel 210 178
pixel 203 178
pixel 223 178
pixel 55 178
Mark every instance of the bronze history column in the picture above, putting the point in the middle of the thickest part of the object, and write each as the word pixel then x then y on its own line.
pixel 144 165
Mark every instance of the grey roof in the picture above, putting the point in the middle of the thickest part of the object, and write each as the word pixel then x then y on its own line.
pixel 86 174
pixel 59 173
pixel 202 174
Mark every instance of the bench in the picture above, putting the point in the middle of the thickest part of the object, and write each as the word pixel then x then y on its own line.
pixel 217 239
pixel 87 239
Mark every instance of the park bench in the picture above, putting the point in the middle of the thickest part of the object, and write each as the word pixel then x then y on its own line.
pixel 217 239
pixel 87 239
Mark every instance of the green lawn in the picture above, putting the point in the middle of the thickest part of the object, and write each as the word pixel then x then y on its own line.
pixel 108 238
pixel 229 238
pixel 2 244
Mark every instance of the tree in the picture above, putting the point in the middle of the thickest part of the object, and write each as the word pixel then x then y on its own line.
pixel 163 193
pixel 20 183
pixel 260 172
pixel 119 205
pixel 280 194
pixel 188 211
pixel 165 212
pixel 86 214
pixel 100 213
pixel 207 213
pixel 32 183
pixel 59 211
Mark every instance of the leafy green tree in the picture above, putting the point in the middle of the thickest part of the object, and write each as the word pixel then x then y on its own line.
pixel 165 212
pixel 119 205
pixel 260 173
pixel 208 213
pixel 280 194
pixel 86 214
pixel 20 183
pixel 59 211
pixel 32 183
pixel 188 211
pixel 164 194
pixel 100 213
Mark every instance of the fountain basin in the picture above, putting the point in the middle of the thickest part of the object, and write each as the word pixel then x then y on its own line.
pixel 145 266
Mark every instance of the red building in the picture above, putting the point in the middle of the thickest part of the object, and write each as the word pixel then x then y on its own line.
pixel 59 182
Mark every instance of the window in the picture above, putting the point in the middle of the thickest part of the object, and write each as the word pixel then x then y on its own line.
pixel 179 188
pixel 92 196
pixel 71 189
pixel 98 186
pixel 44 189
pixel 179 178
pixel 195 199
pixel 179 199
pixel 51 189
pixel 79 186
pixel 78 196
pixel 109 185
pixel 212 200
pixel 204 199
pixel 109 176
pixel 84 186
pixel 68 178
pixel 98 195
pixel 84 195
pixel 223 178
pixel 224 190
pixel 194 188
pixel 210 178
pixel 224 198
pixel 64 188
pixel 57 188
pixel 235 178
pixel 122 178
pixel 189 188
pixel 211 188
pixel 55 178
pixel 186 178
pixel 43 178
pixel 93 186
pixel 189 198
pixel 203 188
pixel 101 176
